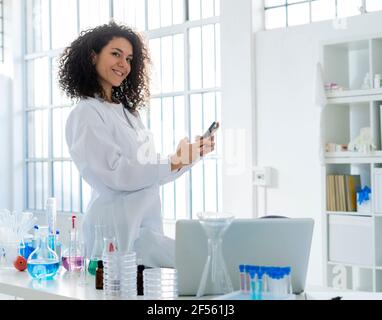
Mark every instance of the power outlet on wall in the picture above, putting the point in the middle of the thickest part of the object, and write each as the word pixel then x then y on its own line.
pixel 262 176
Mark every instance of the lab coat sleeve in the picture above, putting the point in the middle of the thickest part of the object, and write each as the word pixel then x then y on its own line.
pixel 175 175
pixel 99 158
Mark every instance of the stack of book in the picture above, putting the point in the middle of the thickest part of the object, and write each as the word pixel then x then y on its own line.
pixel 341 192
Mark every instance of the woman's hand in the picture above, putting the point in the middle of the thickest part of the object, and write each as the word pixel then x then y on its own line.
pixel 188 153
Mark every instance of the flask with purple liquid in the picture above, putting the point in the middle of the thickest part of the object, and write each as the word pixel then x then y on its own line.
pixel 72 259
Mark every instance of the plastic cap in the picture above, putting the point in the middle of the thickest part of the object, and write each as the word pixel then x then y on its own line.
pixel 44 231
pixel 35 227
pixel 51 202
pixel 57 232
pixel 242 268
pixel 100 264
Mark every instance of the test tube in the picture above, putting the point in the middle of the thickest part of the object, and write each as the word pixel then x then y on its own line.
pixel 247 279
pixel 242 278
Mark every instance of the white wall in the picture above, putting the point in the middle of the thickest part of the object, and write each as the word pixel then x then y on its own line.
pixel 288 121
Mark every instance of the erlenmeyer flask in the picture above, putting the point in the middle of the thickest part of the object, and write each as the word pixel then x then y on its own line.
pixel 97 249
pixel 215 278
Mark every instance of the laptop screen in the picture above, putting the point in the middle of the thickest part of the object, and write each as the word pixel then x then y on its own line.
pixel 263 242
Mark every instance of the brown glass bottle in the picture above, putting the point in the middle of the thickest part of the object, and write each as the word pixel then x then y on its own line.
pixel 99 275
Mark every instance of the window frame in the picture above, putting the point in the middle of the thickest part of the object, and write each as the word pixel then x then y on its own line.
pixel 50 54
pixel 287 5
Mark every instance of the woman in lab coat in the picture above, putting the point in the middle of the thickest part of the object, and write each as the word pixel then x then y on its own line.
pixel 106 69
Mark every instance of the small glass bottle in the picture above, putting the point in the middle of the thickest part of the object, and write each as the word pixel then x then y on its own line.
pixel 99 275
pixel 43 262
pixel 72 260
pixel 97 250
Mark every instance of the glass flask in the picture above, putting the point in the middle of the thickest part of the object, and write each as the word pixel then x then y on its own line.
pixel 43 262
pixel 97 250
pixel 72 258
pixel 215 278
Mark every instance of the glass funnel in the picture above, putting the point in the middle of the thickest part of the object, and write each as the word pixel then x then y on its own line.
pixel 215 278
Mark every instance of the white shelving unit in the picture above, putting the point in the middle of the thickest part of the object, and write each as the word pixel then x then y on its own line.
pixel 352 240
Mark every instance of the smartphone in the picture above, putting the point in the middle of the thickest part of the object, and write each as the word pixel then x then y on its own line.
pixel 211 129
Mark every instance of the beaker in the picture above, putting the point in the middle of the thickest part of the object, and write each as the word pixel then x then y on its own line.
pixel 43 262
pixel 215 278
pixel 97 250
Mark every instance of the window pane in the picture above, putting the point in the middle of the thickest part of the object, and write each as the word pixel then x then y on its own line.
pixel 323 10
pixel 93 13
pixel 178 42
pixel 167 64
pixel 58 130
pixel 194 10
pixel 168 125
pixel 39 186
pixel 130 12
pixel 38 26
pixel 209 60
pixel 57 184
pixel 180 130
pixel 40 134
pixel 197 188
pixel 153 14
pixel 156 123
pixel 76 205
pixel 373 5
pixel 195 58
pixel 64 22
pixel 207 8
pixel 217 7
pixel 218 142
pixel 166 13
pixel 347 8
pixel 31 186
pixel 298 14
pixel 156 67
pixel 275 18
pixel 31 138
pixel 218 60
pixel 67 185
pixel 38 82
pixel 59 98
pixel 177 11
pixel 271 3
pixel 196 115
pixel 210 194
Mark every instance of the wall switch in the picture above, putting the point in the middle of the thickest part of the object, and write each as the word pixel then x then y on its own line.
pixel 262 176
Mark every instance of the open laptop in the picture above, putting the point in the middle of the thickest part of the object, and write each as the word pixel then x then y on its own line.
pixel 265 242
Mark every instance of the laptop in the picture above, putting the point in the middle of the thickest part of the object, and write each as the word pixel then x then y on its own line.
pixel 264 242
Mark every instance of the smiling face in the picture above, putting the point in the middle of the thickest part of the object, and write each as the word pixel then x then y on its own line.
pixel 113 64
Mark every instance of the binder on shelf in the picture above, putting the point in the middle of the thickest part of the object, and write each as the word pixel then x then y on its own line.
pixel 341 193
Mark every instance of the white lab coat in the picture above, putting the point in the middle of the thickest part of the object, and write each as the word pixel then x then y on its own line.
pixel 111 153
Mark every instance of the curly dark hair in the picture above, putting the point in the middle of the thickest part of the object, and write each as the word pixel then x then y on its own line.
pixel 78 77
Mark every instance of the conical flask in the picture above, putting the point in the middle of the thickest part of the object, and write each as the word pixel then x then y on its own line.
pixel 43 262
pixel 215 278
pixel 97 250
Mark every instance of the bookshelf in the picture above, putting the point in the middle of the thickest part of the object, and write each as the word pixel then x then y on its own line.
pixel 352 241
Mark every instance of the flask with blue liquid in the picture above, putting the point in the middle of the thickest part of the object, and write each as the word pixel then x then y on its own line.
pixel 43 262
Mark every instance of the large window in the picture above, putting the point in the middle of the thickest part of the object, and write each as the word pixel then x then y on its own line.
pixel 184 39
pixel 283 13
pixel 1 31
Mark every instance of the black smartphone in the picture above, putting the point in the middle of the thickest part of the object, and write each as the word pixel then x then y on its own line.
pixel 211 129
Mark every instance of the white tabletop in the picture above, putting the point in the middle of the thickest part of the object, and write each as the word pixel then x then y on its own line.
pixel 65 286
pixel 70 286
